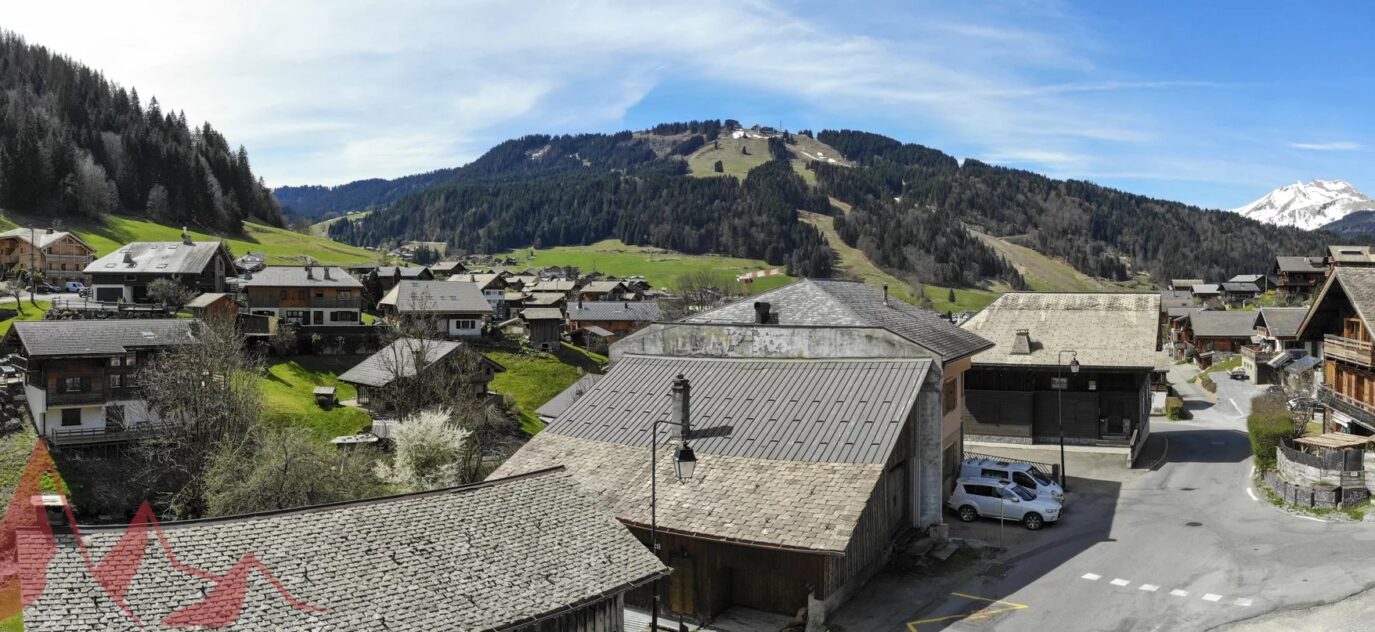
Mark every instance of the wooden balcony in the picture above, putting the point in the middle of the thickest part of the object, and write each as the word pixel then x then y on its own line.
pixel 58 398
pixel 1348 350
pixel 95 436
pixel 1362 412
pixel 318 303
pixel 1256 354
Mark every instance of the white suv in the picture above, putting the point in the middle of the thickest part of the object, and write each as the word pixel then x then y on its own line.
pixel 980 497
pixel 1026 475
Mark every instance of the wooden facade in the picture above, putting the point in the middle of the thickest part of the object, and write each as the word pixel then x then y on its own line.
pixel 312 306
pixel 1096 406
pixel 81 400
pixel 603 615
pixel 63 259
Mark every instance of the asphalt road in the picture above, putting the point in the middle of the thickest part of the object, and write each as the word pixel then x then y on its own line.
pixel 1188 546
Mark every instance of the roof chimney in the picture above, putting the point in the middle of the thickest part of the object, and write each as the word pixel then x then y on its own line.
pixel 185 236
pixel 128 257
pixel 50 509
pixel 761 313
pixel 885 293
pixel 1021 344
pixel 310 274
pixel 680 412
pixel 49 230
pixel 327 277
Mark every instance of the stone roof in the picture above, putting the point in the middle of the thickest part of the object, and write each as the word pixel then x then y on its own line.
pixel 602 287
pixel 158 257
pixel 846 411
pixel 1351 254
pixel 545 298
pixel 490 556
pixel 1299 264
pixel 553 285
pixel 398 359
pixel 301 276
pixel 632 311
pixel 1245 288
pixel 1179 283
pixel 791 504
pixel 1356 284
pixel 555 407
pixel 541 313
pixel 49 338
pixel 1219 324
pixel 1106 330
pixel 206 299
pixel 483 281
pixel 45 237
pixel 1207 288
pixel 407 272
pixel 1282 322
pixel 1177 312
pixel 437 297
pixel 1246 278
pixel 826 302
pixel 1176 298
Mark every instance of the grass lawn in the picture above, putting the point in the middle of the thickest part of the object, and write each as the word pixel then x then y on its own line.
pixel 533 377
pixel 1042 273
pixel 282 246
pixel 13 624
pixel 321 229
pixel 287 397
pixel 660 267
pixel 27 311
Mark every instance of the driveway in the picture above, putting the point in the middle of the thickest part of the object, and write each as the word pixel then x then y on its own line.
pixel 1188 546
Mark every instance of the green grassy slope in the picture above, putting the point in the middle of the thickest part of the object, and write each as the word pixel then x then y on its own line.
pixel 532 378
pixel 282 246
pixel 737 164
pixel 660 267
pixel 319 228
pixel 1042 273
pixel 288 400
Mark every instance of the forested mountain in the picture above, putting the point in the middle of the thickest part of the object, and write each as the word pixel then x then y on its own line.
pixel 911 209
pixel 73 142
pixel 1100 231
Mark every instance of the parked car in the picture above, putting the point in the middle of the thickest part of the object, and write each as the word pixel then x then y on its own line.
pixel 981 497
pixel 1024 474
pixel 1239 374
pixel 74 286
pixel 84 293
pixel 45 288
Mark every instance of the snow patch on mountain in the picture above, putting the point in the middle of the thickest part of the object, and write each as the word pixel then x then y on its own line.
pixel 1308 206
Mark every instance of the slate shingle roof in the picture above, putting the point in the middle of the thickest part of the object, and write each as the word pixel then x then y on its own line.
pixel 483 281
pixel 825 302
pixel 1216 324
pixel 1250 288
pixel 49 338
pixel 437 297
pixel 1207 288
pixel 1351 254
pixel 480 557
pixel 633 311
pixel 295 276
pixel 541 313
pixel 159 257
pixel 1107 330
pixel 407 272
pixel 1299 264
pixel 398 359
pixel 1282 322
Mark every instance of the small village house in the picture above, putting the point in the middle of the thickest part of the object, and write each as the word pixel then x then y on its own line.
pixel 1277 344
pixel 459 308
pixel 1211 333
pixel 1205 292
pixel 214 306
pixel 1239 293
pixel 60 255
pixel 543 327
pixel 493 287
pixel 776 519
pixel 1177 333
pixel 402 360
pixel 1184 285
pixel 606 291
pixel 314 296
pixel 1341 320
pixel 1350 257
pixel 1025 386
pixel 619 317
pixel 447 269
pixel 124 275
pixel 1261 281
pixel 1298 277
pixel 82 376
pixel 389 276
pixel 530 553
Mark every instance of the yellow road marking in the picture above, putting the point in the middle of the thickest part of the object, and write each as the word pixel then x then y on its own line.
pixel 977 615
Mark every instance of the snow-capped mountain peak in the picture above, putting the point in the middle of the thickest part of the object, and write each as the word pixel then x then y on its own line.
pixel 1308 206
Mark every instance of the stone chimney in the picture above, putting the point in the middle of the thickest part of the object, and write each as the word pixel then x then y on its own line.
pixel 761 313
pixel 1021 343
pixel 49 230
pixel 885 293
pixel 326 272
pixel 50 509
pixel 680 412
pixel 128 258
pixel 185 236
pixel 310 273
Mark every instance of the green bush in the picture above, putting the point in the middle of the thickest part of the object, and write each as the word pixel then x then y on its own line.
pixel 1175 410
pixel 1208 384
pixel 1269 424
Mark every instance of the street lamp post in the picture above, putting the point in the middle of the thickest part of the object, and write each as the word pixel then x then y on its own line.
pixel 1060 405
pixel 684 463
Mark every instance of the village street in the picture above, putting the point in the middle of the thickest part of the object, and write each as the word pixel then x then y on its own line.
pixel 1190 545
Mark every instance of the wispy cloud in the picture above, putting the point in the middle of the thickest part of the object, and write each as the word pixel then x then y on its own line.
pixel 1341 145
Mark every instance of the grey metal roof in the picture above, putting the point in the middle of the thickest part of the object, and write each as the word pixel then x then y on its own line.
pixel 561 402
pixel 296 276
pixel 159 257
pixel 846 411
pixel 1282 322
pixel 1246 278
pixel 541 313
pixel 50 338
pixel 1241 287
pixel 1219 324
pixel 43 236
pixel 833 302
pixel 437 297
pixel 1207 288
pixel 407 272
pixel 1299 264
pixel 544 298
pixel 633 311
pixel 398 359
pixel 1107 330
pixel 490 556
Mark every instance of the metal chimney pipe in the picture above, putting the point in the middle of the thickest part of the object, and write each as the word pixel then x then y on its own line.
pixel 680 412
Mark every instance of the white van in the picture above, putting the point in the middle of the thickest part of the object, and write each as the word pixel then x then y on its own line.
pixel 1023 474
pixel 74 286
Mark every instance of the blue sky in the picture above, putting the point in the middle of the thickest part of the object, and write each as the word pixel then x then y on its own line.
pixel 1209 103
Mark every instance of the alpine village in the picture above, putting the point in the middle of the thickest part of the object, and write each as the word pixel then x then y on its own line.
pixel 713 375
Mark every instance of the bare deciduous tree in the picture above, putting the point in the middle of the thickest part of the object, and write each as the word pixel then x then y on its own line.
pixel 171 294
pixel 279 468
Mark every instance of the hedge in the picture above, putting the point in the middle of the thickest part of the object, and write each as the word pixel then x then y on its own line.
pixel 1269 424
pixel 1208 384
pixel 1175 410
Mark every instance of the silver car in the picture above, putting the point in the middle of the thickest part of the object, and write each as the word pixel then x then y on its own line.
pixel 979 497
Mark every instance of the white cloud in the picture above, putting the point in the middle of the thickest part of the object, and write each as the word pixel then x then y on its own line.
pixel 325 91
pixel 1341 145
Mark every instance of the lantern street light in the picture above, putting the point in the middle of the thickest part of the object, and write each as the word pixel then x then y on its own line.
pixel 1060 405
pixel 684 465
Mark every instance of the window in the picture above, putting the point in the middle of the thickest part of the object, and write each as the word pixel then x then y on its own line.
pixel 116 361
pixel 319 294
pixel 71 416
pixel 343 295
pixel 130 360
pixel 1022 479
pixel 72 385
pixel 130 380
pixel 116 380
pixel 343 316
pixel 466 323
pixel 297 316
